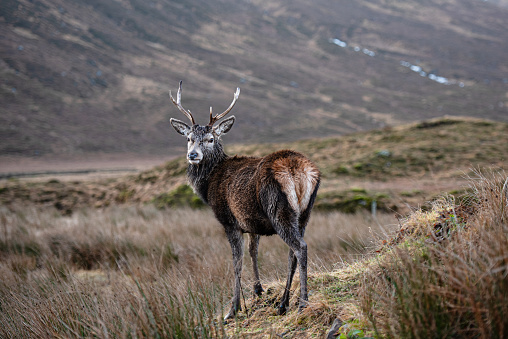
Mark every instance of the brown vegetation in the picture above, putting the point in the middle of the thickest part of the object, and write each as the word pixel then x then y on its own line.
pixel 140 271
pixel 453 285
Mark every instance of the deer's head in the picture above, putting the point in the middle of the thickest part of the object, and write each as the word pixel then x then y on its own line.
pixel 202 140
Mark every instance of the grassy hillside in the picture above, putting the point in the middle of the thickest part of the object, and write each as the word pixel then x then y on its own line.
pixel 84 77
pixel 397 167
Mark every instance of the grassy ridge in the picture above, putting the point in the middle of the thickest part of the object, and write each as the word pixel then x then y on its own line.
pixel 450 281
pixel 396 167
pixel 441 275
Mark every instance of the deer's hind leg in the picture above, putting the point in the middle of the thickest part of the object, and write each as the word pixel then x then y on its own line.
pixel 253 251
pixel 289 218
pixel 292 230
pixel 292 261
pixel 286 224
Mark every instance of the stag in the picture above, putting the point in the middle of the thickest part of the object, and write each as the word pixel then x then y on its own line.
pixel 259 196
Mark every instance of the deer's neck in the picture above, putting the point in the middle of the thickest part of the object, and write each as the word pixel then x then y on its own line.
pixel 199 175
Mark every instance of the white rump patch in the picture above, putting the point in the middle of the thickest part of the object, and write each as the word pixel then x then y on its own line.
pixel 308 183
pixel 299 186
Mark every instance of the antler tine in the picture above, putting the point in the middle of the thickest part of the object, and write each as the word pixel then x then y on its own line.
pixel 214 119
pixel 178 103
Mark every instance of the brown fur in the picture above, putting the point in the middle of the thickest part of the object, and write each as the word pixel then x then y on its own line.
pixel 235 185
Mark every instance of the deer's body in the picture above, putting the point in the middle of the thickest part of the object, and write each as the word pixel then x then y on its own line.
pixel 246 190
pixel 260 196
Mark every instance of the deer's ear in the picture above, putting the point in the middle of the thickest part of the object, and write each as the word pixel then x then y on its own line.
pixel 180 126
pixel 224 126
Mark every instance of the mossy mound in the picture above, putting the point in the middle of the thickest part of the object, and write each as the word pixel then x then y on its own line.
pixel 181 196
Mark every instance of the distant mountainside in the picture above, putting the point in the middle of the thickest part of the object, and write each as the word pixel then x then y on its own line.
pixel 93 76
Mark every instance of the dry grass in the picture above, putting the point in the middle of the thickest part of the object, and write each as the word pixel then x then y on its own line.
pixel 449 284
pixel 122 272
pixel 135 271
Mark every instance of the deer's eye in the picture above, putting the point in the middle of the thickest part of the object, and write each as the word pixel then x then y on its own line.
pixel 210 140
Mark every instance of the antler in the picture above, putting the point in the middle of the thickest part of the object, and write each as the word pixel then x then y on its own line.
pixel 178 103
pixel 214 119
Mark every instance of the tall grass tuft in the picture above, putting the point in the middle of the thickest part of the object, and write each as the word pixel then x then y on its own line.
pixel 65 305
pixel 454 286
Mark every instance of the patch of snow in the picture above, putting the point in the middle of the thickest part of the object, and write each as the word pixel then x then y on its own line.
pixel 368 52
pixel 338 42
pixel 384 153
pixel 415 68
pixel 441 80
pixel 431 76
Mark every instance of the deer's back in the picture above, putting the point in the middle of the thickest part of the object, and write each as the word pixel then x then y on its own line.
pixel 245 190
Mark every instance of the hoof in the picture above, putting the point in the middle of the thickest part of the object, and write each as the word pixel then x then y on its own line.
pixel 282 309
pixel 303 305
pixel 258 290
pixel 231 314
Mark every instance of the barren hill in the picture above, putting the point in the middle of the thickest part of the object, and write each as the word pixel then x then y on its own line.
pixel 83 77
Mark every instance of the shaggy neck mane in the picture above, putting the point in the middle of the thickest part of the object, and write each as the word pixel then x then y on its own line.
pixel 198 174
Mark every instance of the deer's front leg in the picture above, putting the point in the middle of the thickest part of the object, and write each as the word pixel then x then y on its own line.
pixel 236 241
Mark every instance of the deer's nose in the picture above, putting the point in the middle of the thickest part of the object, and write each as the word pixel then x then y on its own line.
pixel 193 155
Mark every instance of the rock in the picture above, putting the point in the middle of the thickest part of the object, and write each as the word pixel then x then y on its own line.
pixel 334 330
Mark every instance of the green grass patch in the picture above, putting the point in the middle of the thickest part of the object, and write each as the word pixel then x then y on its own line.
pixel 351 201
pixel 181 196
